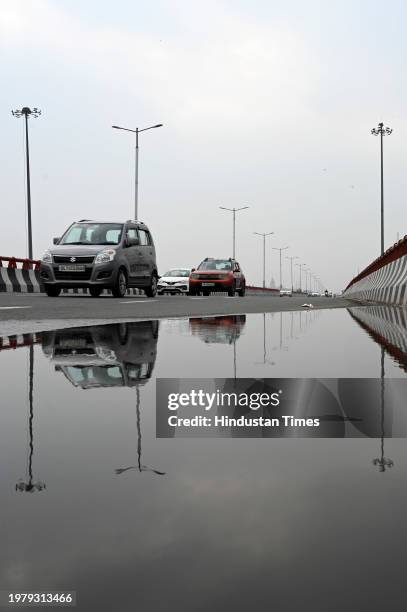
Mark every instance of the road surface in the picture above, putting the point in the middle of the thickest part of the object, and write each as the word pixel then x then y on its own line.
pixel 22 312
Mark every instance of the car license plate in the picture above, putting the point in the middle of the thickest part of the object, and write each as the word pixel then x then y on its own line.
pixel 208 284
pixel 71 268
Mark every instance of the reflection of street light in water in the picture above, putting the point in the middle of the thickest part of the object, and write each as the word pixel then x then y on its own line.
pixel 29 486
pixel 234 358
pixel 265 360
pixel 281 347
pixel 139 466
pixel 382 461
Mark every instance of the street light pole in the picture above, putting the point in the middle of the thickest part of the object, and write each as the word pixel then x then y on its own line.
pixel 136 180
pixel 308 270
pixel 264 254
pixel 136 132
pixel 300 267
pixel 382 131
pixel 26 112
pixel 292 280
pixel 234 211
pixel 280 249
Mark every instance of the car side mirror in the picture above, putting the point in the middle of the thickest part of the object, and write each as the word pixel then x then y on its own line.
pixel 130 241
pixel 56 240
pixel 193 269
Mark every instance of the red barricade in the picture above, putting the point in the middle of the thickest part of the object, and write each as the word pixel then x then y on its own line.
pixel 27 264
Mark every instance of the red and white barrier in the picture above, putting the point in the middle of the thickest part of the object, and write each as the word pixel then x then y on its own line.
pixel 19 340
pixel 384 280
pixel 19 275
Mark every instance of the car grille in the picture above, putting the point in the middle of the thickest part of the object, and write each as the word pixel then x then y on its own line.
pixel 72 276
pixel 210 276
pixel 66 259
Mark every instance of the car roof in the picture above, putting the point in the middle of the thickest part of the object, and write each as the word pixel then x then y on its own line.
pixel 121 222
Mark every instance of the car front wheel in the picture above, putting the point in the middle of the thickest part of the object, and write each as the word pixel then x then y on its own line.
pixel 151 291
pixel 95 291
pixel 232 291
pixel 120 287
pixel 52 290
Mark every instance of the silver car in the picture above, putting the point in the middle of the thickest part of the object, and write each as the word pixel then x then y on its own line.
pixel 101 255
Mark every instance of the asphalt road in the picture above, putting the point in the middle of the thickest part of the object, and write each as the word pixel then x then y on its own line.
pixel 22 312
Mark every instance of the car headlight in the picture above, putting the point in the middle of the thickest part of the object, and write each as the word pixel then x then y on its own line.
pixel 105 256
pixel 47 257
pixel 194 276
pixel 161 282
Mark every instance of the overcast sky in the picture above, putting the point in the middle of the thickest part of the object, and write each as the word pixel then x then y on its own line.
pixel 264 103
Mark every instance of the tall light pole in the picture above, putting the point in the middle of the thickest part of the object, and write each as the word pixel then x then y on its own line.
pixel 300 267
pixel 234 211
pixel 28 112
pixel 292 281
pixel 307 270
pixel 136 132
pixel 280 249
pixel 381 131
pixel 264 254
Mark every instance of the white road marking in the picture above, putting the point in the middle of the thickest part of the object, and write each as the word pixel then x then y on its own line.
pixel 135 301
pixel 13 307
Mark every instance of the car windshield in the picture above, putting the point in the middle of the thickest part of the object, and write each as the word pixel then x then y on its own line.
pixel 183 273
pixel 216 264
pixel 93 233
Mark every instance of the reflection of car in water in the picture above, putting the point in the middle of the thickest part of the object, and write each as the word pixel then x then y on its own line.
pixel 221 330
pixel 119 354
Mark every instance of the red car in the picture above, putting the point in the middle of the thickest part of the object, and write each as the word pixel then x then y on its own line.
pixel 217 275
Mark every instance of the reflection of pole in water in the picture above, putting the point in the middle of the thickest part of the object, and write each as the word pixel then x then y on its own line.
pixel 264 337
pixel 265 360
pixel 292 323
pixel 234 357
pixel 382 461
pixel 29 486
pixel 139 466
pixel 281 330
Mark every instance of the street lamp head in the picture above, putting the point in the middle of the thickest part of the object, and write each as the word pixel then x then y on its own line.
pixel 27 112
pixel 380 130
pixel 158 125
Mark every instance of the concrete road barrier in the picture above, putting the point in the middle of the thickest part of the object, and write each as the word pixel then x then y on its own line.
pixel 26 279
pixel 385 280
pixel 20 281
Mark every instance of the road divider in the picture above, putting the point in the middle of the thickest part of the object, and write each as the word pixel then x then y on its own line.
pixel 384 280
pixel 23 276
pixel 19 275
